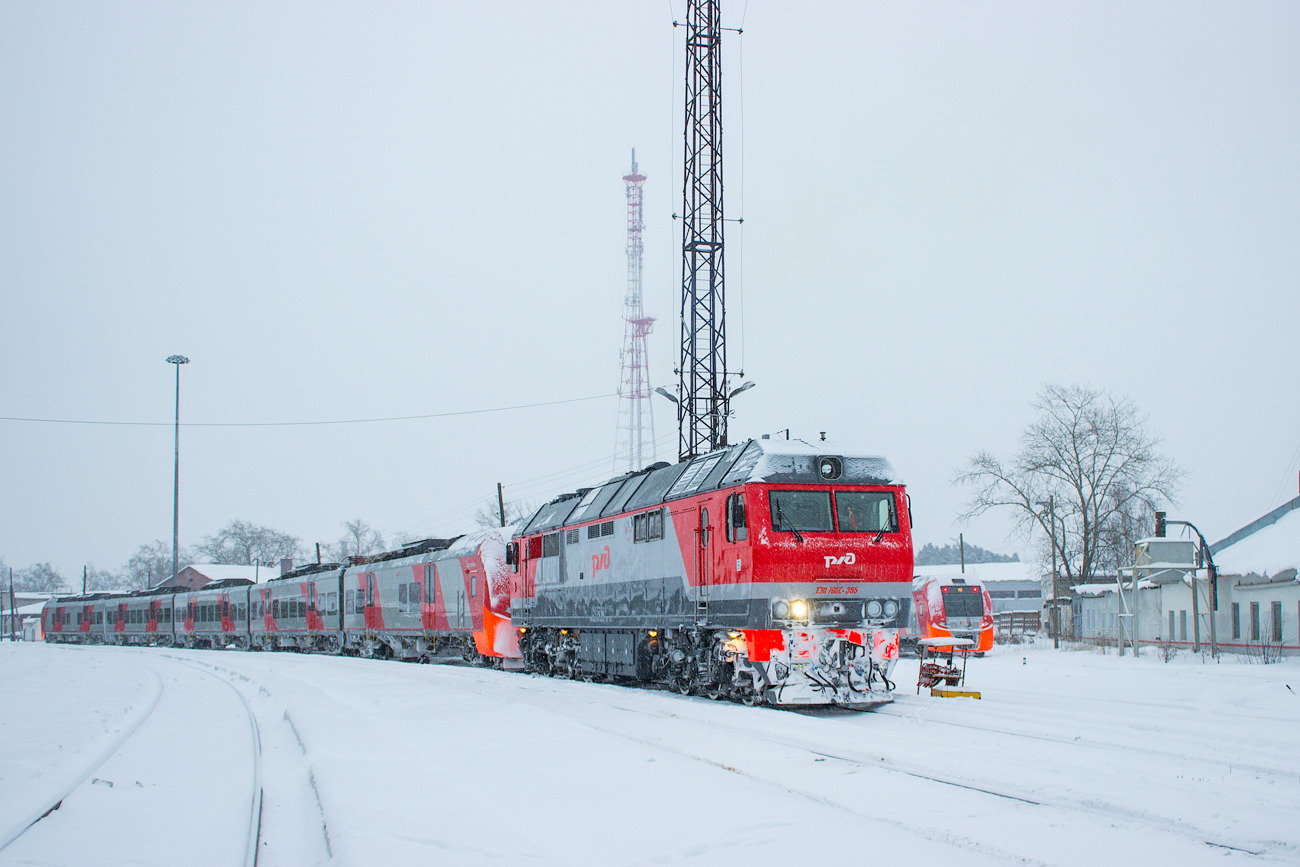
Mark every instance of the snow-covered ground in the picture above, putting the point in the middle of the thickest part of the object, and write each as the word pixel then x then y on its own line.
pixel 1071 758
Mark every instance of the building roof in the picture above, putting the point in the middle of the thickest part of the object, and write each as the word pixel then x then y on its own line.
pixel 224 572
pixel 988 573
pixel 1266 546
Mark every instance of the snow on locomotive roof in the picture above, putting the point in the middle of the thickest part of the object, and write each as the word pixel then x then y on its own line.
pixel 780 461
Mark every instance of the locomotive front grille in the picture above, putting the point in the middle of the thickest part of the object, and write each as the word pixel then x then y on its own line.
pixel 837 611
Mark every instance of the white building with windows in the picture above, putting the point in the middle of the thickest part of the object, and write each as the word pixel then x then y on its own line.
pixel 1258 599
pixel 1260 610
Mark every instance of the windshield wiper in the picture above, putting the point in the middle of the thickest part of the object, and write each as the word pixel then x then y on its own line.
pixel 780 516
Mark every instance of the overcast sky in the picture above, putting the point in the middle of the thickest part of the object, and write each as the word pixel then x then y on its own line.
pixel 344 211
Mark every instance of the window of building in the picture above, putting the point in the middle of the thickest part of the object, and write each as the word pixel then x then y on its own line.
pixel 1182 625
pixel 1029 594
pixel 1002 594
pixel 648 526
pixel 1277 621
pixel 1254 621
pixel 807 511
pixel 865 512
pixel 1236 620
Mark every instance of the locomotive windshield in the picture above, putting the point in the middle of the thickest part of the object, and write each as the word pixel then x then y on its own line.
pixel 809 511
pixel 866 512
pixel 965 602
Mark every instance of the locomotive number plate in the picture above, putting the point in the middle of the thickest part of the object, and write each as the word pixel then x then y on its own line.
pixel 836 590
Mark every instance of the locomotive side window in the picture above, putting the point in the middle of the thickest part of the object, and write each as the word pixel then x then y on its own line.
pixel 737 528
pixel 347 604
pixel 809 511
pixel 551 545
pixel 866 512
pixel 648 526
pixel 535 548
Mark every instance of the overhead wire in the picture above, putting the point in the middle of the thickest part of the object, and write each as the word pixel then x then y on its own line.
pixel 310 423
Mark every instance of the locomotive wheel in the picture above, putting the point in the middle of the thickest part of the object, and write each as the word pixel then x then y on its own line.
pixel 714 691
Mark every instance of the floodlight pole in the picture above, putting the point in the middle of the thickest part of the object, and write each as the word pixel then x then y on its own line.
pixel 177 360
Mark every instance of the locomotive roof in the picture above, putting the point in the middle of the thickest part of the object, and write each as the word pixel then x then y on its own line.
pixel 765 460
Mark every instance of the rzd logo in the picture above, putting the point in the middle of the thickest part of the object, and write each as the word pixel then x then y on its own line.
pixel 600 561
pixel 847 560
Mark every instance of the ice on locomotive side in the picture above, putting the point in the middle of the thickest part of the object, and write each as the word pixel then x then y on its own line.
pixel 430 600
pixel 770 571
pixel 951 606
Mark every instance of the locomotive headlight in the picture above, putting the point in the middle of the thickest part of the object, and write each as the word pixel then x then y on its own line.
pixel 891 608
pixel 798 609
pixel 873 608
pixel 781 610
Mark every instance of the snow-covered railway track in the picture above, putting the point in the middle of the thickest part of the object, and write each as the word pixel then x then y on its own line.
pixel 176 758
pixel 697 732
pixel 78 774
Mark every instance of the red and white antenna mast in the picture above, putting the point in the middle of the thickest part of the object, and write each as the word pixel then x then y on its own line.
pixel 636 424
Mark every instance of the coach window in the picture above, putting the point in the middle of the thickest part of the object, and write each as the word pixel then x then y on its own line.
pixel 347 602
pixel 737 528
pixel 473 584
pixel 401 594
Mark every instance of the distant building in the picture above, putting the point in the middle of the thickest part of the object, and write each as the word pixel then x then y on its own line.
pixel 1258 609
pixel 202 574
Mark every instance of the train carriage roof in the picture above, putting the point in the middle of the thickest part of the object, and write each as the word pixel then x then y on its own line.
pixel 765 460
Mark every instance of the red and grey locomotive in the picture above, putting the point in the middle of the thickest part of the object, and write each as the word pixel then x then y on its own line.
pixel 771 571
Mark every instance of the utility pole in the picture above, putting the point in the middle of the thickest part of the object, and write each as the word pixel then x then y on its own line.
pixel 703 402
pixel 636 425
pixel 84 570
pixel 961 545
pixel 1212 579
pixel 1056 606
pixel 501 504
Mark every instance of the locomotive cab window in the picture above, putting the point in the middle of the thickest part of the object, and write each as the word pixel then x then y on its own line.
pixel 866 512
pixel 806 511
pixel 737 529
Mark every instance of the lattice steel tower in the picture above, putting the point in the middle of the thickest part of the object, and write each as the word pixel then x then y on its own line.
pixel 702 387
pixel 636 424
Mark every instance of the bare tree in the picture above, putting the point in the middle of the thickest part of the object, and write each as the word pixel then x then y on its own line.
pixel 39 578
pixel 151 565
pixel 489 514
pixel 1092 454
pixel 1132 518
pixel 239 543
pixel 108 579
pixel 359 539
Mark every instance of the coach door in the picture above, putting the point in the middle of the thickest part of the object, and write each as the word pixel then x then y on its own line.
pixel 370 601
pixel 703 578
